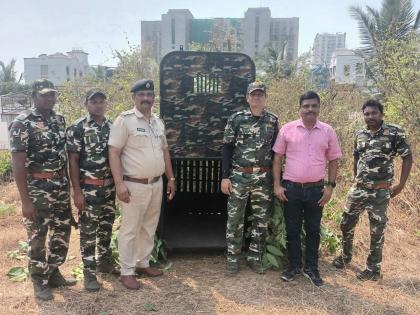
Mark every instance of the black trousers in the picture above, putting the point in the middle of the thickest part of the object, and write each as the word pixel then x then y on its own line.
pixel 302 207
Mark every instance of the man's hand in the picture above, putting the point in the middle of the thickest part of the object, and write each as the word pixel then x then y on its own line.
pixel 280 192
pixel 226 186
pixel 396 190
pixel 326 195
pixel 79 200
pixel 28 210
pixel 170 189
pixel 123 193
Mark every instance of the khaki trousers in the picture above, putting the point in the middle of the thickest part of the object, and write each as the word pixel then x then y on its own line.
pixel 139 219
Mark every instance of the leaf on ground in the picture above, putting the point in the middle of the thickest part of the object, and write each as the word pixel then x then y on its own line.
pixel 150 307
pixel 17 274
pixel 70 258
pixel 23 246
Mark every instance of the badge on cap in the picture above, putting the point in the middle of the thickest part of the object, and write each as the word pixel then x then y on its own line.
pixel 148 85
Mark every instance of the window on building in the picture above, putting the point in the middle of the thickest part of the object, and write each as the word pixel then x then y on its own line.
pixel 347 70
pixel 68 71
pixel 80 74
pixel 173 30
pixel 44 71
pixel 74 73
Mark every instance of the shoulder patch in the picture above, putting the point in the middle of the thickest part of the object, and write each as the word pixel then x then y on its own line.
pixel 273 116
pixel 24 114
pixel 127 112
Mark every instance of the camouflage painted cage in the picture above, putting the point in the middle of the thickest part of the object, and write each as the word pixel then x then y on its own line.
pixel 198 93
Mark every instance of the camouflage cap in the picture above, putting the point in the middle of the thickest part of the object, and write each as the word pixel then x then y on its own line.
pixel 256 85
pixel 143 85
pixel 91 93
pixel 43 86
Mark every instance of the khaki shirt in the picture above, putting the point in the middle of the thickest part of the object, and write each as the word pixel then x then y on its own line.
pixel 141 143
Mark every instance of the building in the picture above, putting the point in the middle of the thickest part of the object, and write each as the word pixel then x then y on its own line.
pixel 178 29
pixel 324 45
pixel 57 67
pixel 347 68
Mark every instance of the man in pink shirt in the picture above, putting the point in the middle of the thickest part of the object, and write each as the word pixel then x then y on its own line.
pixel 308 145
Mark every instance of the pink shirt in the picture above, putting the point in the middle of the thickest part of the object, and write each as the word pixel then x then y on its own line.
pixel 307 150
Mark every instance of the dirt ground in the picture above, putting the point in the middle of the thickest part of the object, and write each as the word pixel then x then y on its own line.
pixel 196 283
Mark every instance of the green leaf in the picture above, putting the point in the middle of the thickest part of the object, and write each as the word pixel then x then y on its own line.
pixel 15 254
pixel 70 258
pixel 150 307
pixel 273 260
pixel 274 250
pixel 17 274
pixel 23 246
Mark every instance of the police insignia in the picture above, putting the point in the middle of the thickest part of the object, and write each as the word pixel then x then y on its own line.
pixel 147 85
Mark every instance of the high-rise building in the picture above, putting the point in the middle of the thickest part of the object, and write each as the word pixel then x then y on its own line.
pixel 178 29
pixel 325 44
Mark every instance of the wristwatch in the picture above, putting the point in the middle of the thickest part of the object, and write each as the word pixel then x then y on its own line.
pixel 332 184
pixel 172 179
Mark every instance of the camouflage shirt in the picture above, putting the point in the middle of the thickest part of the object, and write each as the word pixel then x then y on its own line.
pixel 43 139
pixel 90 140
pixel 375 153
pixel 252 138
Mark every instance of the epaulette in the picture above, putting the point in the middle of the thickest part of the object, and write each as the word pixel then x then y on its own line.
pixel 127 112
pixel 392 126
pixel 273 115
pixel 234 115
pixel 78 121
pixel 24 114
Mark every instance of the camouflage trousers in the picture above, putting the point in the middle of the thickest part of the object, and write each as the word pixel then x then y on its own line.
pixel 258 188
pixel 51 200
pixel 95 224
pixel 375 201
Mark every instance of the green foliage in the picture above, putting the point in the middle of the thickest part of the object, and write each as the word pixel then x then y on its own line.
pixel 150 307
pixel 77 272
pixel 5 165
pixel 18 274
pixel 329 239
pixel 6 209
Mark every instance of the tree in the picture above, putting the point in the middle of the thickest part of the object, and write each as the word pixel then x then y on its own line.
pixel 8 73
pixel 273 63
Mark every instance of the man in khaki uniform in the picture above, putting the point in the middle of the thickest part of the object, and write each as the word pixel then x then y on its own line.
pixel 139 155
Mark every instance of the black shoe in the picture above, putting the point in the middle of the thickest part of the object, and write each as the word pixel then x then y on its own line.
pixel 256 266
pixel 289 274
pixel 90 282
pixel 232 268
pixel 368 275
pixel 313 275
pixel 57 280
pixel 42 291
pixel 340 262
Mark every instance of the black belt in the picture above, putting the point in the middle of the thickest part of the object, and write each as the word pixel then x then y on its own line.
pixel 305 185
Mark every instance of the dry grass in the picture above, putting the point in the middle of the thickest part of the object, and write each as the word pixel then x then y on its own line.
pixel 196 283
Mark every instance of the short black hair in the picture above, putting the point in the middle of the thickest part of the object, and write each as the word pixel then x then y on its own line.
pixel 373 103
pixel 308 96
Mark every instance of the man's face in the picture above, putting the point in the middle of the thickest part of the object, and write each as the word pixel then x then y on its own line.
pixel 144 99
pixel 45 101
pixel 96 106
pixel 309 109
pixel 373 116
pixel 256 99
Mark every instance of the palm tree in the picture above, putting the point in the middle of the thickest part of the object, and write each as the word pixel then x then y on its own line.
pixel 395 20
pixel 8 73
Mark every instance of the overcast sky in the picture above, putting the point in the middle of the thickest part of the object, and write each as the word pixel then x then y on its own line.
pixel 30 28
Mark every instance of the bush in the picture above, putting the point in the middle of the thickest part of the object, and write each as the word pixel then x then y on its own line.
pixel 5 166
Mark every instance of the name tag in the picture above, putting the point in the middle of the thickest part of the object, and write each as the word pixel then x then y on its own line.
pixel 141 129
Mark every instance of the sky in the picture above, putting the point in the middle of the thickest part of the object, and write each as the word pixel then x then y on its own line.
pixel 29 28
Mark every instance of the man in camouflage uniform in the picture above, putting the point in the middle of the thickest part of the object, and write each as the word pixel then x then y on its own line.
pixel 93 186
pixel 37 141
pixel 374 150
pixel 246 161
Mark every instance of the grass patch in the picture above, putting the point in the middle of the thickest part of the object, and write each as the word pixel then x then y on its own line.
pixel 6 209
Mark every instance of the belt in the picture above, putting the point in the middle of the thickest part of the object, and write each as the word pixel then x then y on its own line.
pixel 97 182
pixel 305 185
pixel 254 169
pixel 48 175
pixel 141 180
pixel 374 186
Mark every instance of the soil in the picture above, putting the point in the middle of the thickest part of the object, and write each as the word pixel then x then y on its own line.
pixel 196 283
